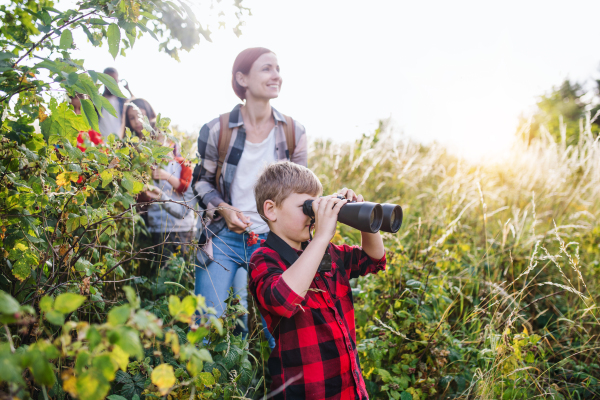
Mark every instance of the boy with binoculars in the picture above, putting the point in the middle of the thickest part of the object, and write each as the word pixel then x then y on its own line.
pixel 302 285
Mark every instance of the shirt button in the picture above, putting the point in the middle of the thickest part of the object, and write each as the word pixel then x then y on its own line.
pixel 328 301
pixel 349 347
pixel 317 278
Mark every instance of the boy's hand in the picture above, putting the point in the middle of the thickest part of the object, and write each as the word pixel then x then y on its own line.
pixel 351 196
pixel 326 210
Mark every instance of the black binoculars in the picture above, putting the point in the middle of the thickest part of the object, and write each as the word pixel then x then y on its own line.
pixel 365 216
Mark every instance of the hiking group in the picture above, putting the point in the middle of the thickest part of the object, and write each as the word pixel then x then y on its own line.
pixel 250 186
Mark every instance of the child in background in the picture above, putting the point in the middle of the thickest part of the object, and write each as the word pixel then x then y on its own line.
pixel 306 298
pixel 168 231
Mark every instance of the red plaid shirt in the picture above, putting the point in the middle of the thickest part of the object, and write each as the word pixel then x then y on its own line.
pixel 315 355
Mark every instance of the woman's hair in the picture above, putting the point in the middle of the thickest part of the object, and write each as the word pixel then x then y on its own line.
pixel 243 62
pixel 143 105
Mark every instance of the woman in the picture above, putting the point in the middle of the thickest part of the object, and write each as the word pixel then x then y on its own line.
pixel 168 231
pixel 259 135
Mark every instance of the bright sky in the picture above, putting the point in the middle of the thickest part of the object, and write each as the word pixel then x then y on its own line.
pixel 455 72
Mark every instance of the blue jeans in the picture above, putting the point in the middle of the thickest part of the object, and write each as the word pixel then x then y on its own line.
pixel 231 251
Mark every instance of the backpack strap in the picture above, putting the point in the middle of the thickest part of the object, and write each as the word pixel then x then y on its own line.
pixel 290 135
pixel 225 133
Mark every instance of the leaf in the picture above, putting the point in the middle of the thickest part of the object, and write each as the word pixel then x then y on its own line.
pixel 405 396
pixel 106 365
pixel 119 315
pixel 8 305
pixel 107 177
pixel 385 375
pixel 68 302
pixel 197 335
pixel 115 397
pixel 23 266
pixel 120 357
pixel 46 303
pixel 160 152
pixel 55 317
pixel 114 39
pixel 206 379
pixel 66 39
pixel 72 78
pixel 92 385
pixel 110 83
pixel 164 378
pixel 129 342
pixel 132 296
pixel 89 112
pixel 131 184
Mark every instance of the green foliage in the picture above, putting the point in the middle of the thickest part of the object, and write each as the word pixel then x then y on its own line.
pixel 560 115
pixel 491 290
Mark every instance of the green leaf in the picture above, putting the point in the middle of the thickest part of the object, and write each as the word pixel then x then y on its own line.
pixel 89 112
pixel 206 379
pixel 8 305
pixel 40 368
pixel 114 39
pixel 68 302
pixel 55 317
pixel 72 78
pixel 73 223
pixel 131 184
pixel 46 303
pixel 132 296
pixel 160 152
pixel 129 342
pixel 110 83
pixel 66 39
pixel 119 315
pixel 385 375
pixel 197 335
pixel 105 364
pixel 405 396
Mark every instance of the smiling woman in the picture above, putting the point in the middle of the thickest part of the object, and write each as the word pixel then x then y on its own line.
pixel 234 148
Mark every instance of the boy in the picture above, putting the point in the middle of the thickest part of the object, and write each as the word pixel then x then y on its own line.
pixel 304 295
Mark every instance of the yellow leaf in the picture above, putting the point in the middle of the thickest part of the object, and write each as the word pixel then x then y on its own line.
pixel 69 386
pixel 120 357
pixel 525 331
pixel 62 179
pixel 164 378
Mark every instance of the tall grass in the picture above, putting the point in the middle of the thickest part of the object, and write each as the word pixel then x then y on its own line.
pixel 514 242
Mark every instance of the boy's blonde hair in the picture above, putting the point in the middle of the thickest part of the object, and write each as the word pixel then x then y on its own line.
pixel 282 178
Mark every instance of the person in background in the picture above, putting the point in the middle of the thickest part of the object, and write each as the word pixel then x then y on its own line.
pixel 108 123
pixel 134 112
pixel 168 232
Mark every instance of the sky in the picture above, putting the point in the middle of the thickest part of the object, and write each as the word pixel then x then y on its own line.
pixel 459 73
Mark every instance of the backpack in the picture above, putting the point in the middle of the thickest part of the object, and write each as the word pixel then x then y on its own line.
pixel 225 133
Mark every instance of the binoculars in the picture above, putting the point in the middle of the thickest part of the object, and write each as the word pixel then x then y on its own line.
pixel 366 216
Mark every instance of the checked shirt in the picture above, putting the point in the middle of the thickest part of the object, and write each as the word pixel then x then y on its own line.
pixel 315 356
pixel 208 152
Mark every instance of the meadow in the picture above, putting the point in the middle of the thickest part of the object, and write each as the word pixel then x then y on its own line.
pixel 491 290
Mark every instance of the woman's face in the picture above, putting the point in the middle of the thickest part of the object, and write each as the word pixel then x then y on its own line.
pixel 263 81
pixel 135 117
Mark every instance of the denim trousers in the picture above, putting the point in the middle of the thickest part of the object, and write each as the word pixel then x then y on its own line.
pixel 229 268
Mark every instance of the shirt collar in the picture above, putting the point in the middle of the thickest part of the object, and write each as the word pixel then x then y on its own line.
pixel 235 117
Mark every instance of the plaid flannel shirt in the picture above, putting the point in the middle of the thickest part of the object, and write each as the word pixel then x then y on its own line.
pixel 208 152
pixel 315 355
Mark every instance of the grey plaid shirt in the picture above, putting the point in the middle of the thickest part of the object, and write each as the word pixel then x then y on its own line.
pixel 204 184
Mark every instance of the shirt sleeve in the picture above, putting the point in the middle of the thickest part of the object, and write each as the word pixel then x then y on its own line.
pixel 179 209
pixel 267 286
pixel 357 262
pixel 185 177
pixel 208 152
